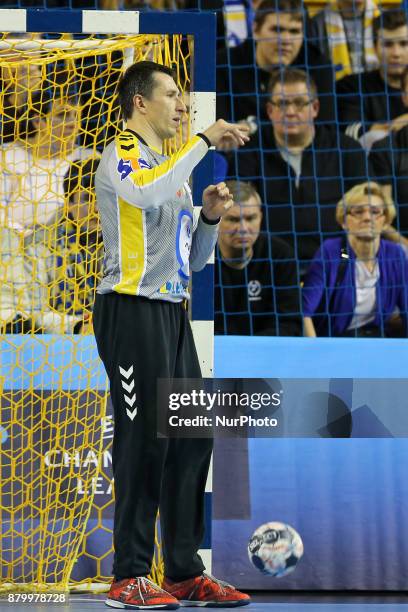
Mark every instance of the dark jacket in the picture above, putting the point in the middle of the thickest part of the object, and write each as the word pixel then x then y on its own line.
pixel 322 295
pixel 364 99
pixel 304 214
pixel 317 34
pixel 389 162
pixel 239 79
pixel 262 298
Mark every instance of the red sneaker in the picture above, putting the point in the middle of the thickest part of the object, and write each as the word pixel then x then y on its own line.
pixel 206 591
pixel 138 594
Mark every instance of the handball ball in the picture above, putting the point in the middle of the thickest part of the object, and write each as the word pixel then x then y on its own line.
pixel 275 548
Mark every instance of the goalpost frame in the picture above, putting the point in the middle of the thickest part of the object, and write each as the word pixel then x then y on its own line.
pixel 202 27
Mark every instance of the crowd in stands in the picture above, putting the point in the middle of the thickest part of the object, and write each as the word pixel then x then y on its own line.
pixel 325 100
pixel 317 241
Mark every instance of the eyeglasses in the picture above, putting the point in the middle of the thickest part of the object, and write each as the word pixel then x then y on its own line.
pixel 298 103
pixel 358 211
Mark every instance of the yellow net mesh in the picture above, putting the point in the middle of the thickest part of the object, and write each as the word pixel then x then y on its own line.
pixel 58 110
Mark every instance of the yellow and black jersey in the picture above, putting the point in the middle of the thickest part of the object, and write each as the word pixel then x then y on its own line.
pixel 146 212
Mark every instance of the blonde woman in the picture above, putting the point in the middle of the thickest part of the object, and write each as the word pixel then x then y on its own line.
pixel 356 283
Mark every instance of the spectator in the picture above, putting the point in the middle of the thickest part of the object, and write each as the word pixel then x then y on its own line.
pixel 278 40
pixel 71 245
pixel 18 83
pixel 300 168
pixel 343 30
pixel 355 283
pixel 32 173
pixel 256 287
pixel 389 162
pixel 24 291
pixel 368 102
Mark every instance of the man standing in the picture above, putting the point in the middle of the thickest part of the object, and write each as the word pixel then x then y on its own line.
pixel 256 286
pixel 143 334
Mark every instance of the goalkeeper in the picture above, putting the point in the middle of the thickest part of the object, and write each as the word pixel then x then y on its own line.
pixel 143 333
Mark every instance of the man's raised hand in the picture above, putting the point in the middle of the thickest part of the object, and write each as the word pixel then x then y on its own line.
pixel 217 200
pixel 224 135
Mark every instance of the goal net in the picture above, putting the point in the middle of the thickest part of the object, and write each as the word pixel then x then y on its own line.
pixel 58 110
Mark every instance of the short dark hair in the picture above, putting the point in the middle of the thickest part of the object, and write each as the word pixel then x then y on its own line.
pixel 80 175
pixel 266 7
pixel 389 20
pixel 242 191
pixel 288 76
pixel 138 79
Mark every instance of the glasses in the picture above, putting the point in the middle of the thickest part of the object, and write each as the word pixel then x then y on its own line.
pixel 358 211
pixel 298 103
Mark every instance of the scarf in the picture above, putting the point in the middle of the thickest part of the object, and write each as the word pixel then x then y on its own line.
pixel 338 42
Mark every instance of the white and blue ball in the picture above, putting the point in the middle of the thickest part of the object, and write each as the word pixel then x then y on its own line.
pixel 275 549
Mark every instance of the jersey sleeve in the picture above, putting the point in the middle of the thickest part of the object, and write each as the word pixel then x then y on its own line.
pixel 148 188
pixel 204 241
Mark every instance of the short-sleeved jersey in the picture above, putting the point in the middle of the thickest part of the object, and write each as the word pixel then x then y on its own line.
pixel 146 212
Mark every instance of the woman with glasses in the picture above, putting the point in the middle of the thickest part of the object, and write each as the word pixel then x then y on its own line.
pixel 357 285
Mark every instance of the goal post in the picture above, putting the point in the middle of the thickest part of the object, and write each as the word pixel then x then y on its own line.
pixel 56 494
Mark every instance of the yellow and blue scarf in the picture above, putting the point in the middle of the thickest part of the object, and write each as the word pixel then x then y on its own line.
pixel 338 42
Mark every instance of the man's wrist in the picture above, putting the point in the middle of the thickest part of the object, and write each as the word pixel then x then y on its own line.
pixel 204 137
pixel 209 221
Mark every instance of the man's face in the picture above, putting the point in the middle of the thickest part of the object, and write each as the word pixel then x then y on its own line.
pixel 292 110
pixel 279 39
pixel 366 219
pixel 392 50
pixel 82 208
pixel 185 119
pixel 240 227
pixel 165 109
pixel 183 134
